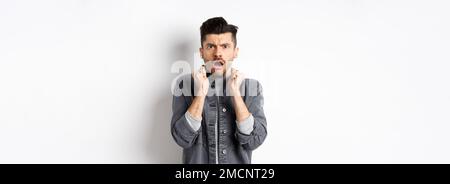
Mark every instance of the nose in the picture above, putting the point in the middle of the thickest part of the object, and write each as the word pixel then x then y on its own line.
pixel 218 53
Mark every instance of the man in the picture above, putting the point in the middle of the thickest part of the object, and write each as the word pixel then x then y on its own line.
pixel 224 121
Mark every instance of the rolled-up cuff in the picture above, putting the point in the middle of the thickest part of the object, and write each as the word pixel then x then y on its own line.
pixel 246 126
pixel 193 122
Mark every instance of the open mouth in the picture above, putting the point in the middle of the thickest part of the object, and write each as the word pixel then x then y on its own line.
pixel 217 65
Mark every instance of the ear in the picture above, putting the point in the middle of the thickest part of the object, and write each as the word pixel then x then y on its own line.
pixel 201 52
pixel 236 51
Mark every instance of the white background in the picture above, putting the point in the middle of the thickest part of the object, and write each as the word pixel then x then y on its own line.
pixel 344 81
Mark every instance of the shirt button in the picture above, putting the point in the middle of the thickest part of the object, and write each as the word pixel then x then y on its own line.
pixel 224 131
pixel 224 110
pixel 224 151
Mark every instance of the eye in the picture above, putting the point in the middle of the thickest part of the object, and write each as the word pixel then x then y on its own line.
pixel 209 46
pixel 225 46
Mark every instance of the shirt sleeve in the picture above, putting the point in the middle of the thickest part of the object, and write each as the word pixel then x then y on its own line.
pixel 246 126
pixel 193 122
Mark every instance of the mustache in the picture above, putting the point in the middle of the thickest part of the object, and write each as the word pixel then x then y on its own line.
pixel 220 60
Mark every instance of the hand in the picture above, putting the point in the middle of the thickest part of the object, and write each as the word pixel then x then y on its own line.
pixel 236 81
pixel 201 82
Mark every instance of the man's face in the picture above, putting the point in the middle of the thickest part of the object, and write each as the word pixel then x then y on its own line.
pixel 218 51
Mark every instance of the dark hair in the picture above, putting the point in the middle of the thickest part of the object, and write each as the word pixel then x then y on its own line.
pixel 217 25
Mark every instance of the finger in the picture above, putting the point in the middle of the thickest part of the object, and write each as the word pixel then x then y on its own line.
pixel 203 71
pixel 233 72
pixel 204 68
pixel 197 74
pixel 200 72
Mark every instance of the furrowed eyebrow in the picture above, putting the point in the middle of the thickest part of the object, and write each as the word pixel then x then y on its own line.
pixel 214 45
